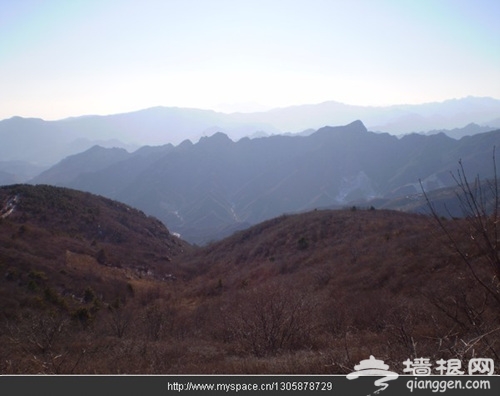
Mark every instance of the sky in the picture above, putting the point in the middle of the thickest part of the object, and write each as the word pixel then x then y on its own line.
pixel 70 57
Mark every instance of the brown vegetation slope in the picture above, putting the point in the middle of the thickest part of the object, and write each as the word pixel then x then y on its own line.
pixel 309 293
pixel 65 254
pixel 358 282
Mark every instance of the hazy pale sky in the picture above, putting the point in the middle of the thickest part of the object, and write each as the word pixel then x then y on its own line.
pixel 69 57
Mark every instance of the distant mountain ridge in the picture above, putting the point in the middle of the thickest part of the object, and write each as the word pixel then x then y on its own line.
pixel 458 133
pixel 395 119
pixel 44 143
pixel 206 190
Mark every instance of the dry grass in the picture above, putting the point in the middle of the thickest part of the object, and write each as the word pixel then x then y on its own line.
pixel 309 293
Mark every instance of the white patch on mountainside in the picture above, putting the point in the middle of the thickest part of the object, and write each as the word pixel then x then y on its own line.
pixel 176 213
pixel 9 206
pixel 432 182
pixel 234 214
pixel 358 186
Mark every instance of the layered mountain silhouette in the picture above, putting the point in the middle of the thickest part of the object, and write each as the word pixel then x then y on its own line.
pixel 46 142
pixel 40 143
pixel 468 130
pixel 397 119
pixel 209 189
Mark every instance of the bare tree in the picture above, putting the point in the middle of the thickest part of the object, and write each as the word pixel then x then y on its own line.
pixel 479 202
pixel 475 239
pixel 158 319
pixel 274 318
pixel 119 318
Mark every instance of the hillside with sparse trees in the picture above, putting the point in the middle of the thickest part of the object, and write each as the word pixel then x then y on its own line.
pixel 92 286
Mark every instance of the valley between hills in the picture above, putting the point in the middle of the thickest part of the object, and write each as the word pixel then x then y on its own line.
pixel 207 190
pixel 93 286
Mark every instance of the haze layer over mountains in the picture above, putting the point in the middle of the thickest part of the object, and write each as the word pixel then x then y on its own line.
pixel 206 174
pixel 43 143
pixel 206 190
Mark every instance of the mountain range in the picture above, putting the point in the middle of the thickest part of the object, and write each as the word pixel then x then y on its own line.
pixel 30 145
pixel 207 190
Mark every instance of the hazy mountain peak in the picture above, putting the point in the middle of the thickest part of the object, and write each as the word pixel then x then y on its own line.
pixel 354 127
pixel 357 125
pixel 216 138
pixel 185 144
pixel 98 150
pixel 19 118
